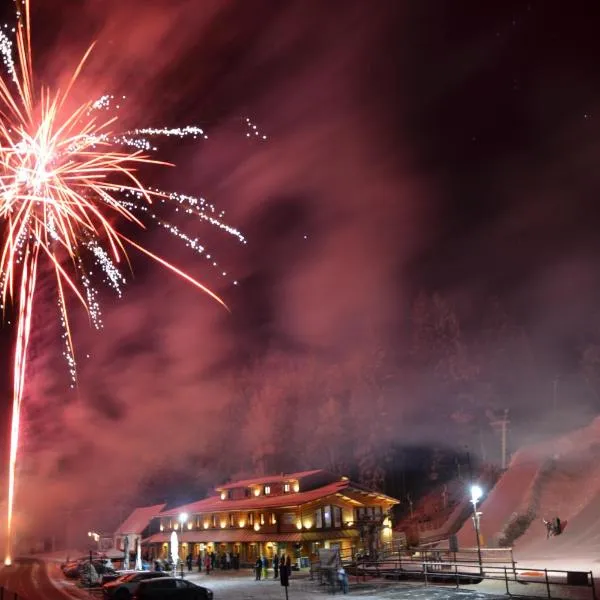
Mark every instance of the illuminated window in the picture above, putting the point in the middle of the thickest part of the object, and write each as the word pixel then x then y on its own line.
pixel 337 516
pixel 231 520
pixel 214 520
pixel 319 519
pixel 223 495
pixel 267 489
pixel 251 518
pixel 327 516
pixel 273 519
pixel 286 487
pixel 262 518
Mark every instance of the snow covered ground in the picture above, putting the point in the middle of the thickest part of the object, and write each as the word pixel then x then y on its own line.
pixel 557 478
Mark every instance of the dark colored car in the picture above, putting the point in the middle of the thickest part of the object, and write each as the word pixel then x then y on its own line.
pixel 126 587
pixel 171 588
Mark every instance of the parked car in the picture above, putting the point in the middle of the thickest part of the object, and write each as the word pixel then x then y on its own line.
pixel 171 588
pixel 126 586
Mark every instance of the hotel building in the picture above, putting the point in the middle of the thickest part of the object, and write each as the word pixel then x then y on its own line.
pixel 297 514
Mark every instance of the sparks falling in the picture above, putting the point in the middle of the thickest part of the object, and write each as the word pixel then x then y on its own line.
pixel 66 176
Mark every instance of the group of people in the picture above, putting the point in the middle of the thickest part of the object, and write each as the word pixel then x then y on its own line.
pixel 261 567
pixel 211 561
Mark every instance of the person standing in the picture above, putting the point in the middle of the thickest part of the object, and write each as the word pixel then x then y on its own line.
pixel 199 562
pixel 275 567
pixel 258 568
pixel 207 563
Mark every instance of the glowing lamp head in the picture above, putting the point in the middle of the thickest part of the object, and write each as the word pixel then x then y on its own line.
pixel 476 493
pixel 256 527
pixel 298 524
pixel 183 517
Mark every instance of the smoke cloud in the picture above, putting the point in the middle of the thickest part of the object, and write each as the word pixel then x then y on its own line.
pixel 174 384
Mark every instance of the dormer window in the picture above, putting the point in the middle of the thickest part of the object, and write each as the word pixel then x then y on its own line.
pixel 296 487
pixel 257 491
pixel 267 489
pixel 286 488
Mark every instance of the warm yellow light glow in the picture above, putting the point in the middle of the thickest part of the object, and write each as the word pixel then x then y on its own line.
pixel 273 519
pixel 190 525
pixel 299 524
pixel 257 492
pixel 350 523
pixel 256 527
pixel 242 523
pixel 223 495
pixel 223 524
pixel 205 524
pixel 307 523
pixel 7 561
pixel 296 487
pixel 387 522
pixel 176 526
pixel 162 527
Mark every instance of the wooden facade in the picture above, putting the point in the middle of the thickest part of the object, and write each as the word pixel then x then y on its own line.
pixel 295 514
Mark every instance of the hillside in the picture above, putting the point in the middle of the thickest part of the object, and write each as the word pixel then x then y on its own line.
pixel 560 478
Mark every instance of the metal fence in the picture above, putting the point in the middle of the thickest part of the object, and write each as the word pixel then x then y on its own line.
pixel 506 579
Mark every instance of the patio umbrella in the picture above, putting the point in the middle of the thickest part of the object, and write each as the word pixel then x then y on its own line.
pixel 174 548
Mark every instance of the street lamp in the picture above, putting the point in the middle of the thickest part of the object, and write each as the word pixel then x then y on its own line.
pixel 95 536
pixel 476 493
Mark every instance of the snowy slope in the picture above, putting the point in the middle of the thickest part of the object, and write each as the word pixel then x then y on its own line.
pixel 560 477
pixel 503 500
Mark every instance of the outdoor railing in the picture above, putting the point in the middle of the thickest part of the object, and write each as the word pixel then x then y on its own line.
pixel 510 579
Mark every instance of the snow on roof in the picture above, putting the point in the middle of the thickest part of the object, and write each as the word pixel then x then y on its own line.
pixel 215 504
pixel 280 478
pixel 138 520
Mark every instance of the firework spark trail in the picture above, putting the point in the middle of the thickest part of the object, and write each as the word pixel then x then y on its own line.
pixel 64 178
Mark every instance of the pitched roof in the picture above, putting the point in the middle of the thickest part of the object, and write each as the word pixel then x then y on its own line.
pixel 138 520
pixel 215 504
pixel 280 478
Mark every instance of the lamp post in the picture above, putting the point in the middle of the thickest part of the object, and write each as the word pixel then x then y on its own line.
pixel 96 537
pixel 476 493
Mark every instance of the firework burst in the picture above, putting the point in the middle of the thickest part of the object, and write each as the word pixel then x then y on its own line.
pixel 66 177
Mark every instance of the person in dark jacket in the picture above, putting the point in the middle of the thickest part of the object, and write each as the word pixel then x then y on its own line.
pixel 258 568
pixel 276 567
